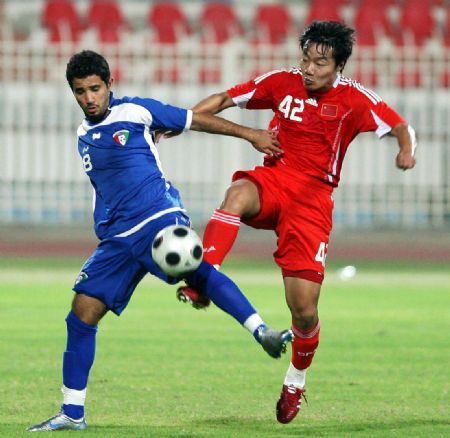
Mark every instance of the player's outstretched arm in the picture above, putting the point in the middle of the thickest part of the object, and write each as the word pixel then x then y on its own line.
pixel 214 104
pixel 262 140
pixel 406 138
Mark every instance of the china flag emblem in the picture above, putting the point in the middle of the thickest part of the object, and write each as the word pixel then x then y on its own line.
pixel 328 110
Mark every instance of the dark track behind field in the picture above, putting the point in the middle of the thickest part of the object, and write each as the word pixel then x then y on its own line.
pixel 433 246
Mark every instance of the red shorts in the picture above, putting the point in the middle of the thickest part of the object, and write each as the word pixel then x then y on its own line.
pixel 299 209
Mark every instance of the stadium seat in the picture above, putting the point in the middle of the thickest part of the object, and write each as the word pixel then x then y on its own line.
pixel 219 23
pixel 446 28
pixel 168 21
pixel 324 10
pixel 368 78
pixel 371 21
pixel 107 18
pixel 409 78
pixel 61 19
pixel 416 23
pixel 272 23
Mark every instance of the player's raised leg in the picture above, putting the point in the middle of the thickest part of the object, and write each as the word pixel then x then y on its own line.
pixel 78 358
pixel 241 198
pixel 228 297
pixel 302 298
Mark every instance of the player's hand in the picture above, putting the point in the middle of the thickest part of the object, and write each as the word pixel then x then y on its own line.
pixel 405 160
pixel 266 142
pixel 165 133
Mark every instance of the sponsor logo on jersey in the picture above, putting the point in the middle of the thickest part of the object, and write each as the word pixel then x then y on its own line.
pixel 121 136
pixel 85 149
pixel 81 277
pixel 96 135
pixel 311 101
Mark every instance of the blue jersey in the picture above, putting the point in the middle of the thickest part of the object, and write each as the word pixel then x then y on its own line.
pixel 122 162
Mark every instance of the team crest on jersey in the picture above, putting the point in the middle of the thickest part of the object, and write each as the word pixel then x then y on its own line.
pixel 121 136
pixel 81 277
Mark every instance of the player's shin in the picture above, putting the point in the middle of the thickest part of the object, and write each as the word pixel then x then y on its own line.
pixel 224 293
pixel 77 362
pixel 304 346
pixel 219 236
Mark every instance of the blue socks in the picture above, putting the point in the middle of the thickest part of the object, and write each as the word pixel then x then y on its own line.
pixel 223 291
pixel 77 361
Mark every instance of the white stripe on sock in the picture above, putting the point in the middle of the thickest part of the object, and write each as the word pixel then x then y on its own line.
pixel 226 218
pixel 253 322
pixel 73 396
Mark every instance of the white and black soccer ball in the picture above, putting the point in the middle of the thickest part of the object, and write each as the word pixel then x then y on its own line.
pixel 177 249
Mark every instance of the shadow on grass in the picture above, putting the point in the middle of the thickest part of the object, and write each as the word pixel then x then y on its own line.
pixel 234 427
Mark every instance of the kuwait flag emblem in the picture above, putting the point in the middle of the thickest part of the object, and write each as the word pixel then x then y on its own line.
pixel 121 136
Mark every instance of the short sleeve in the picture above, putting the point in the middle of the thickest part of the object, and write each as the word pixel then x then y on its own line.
pixel 165 116
pixel 376 115
pixel 256 93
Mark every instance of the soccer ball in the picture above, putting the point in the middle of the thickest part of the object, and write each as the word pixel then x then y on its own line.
pixel 177 250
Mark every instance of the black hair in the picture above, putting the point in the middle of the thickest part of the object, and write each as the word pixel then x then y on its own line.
pixel 87 63
pixel 330 35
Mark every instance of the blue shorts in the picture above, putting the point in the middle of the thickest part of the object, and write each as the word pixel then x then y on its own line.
pixel 119 263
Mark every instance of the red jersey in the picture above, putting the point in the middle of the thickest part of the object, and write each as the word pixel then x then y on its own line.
pixel 315 129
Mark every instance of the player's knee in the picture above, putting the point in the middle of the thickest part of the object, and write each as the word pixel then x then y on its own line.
pixel 240 199
pixel 304 318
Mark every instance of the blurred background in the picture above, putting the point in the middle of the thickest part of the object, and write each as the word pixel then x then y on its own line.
pixel 180 52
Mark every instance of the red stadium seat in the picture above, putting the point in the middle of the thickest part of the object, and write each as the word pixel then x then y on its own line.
pixel 371 21
pixel 324 10
pixel 366 78
pixel 272 23
pixel 409 78
pixel 61 19
pixel 107 18
pixel 446 29
pixel 169 22
pixel 416 23
pixel 220 23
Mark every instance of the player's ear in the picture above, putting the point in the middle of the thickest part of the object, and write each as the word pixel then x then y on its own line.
pixel 110 82
pixel 340 67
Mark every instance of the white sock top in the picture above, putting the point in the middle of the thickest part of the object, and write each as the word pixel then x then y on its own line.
pixel 295 377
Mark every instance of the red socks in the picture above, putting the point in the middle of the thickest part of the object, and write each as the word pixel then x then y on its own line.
pixel 304 346
pixel 220 234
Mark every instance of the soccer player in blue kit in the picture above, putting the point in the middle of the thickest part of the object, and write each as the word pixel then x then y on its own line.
pixel 133 202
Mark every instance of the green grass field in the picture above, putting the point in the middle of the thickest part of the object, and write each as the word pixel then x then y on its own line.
pixel 165 370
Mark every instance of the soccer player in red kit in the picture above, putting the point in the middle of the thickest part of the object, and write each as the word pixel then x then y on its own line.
pixel 317 113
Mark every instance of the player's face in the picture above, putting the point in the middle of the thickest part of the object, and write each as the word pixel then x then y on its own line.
pixel 319 67
pixel 92 94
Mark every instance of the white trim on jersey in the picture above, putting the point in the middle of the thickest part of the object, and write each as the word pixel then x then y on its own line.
pixel 412 135
pixel 189 116
pixel 337 80
pixel 137 227
pixel 337 146
pixel 149 139
pixel 371 95
pixel 242 100
pixel 266 75
pixel 336 159
pixel 124 112
pixel 383 127
pixel 81 131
